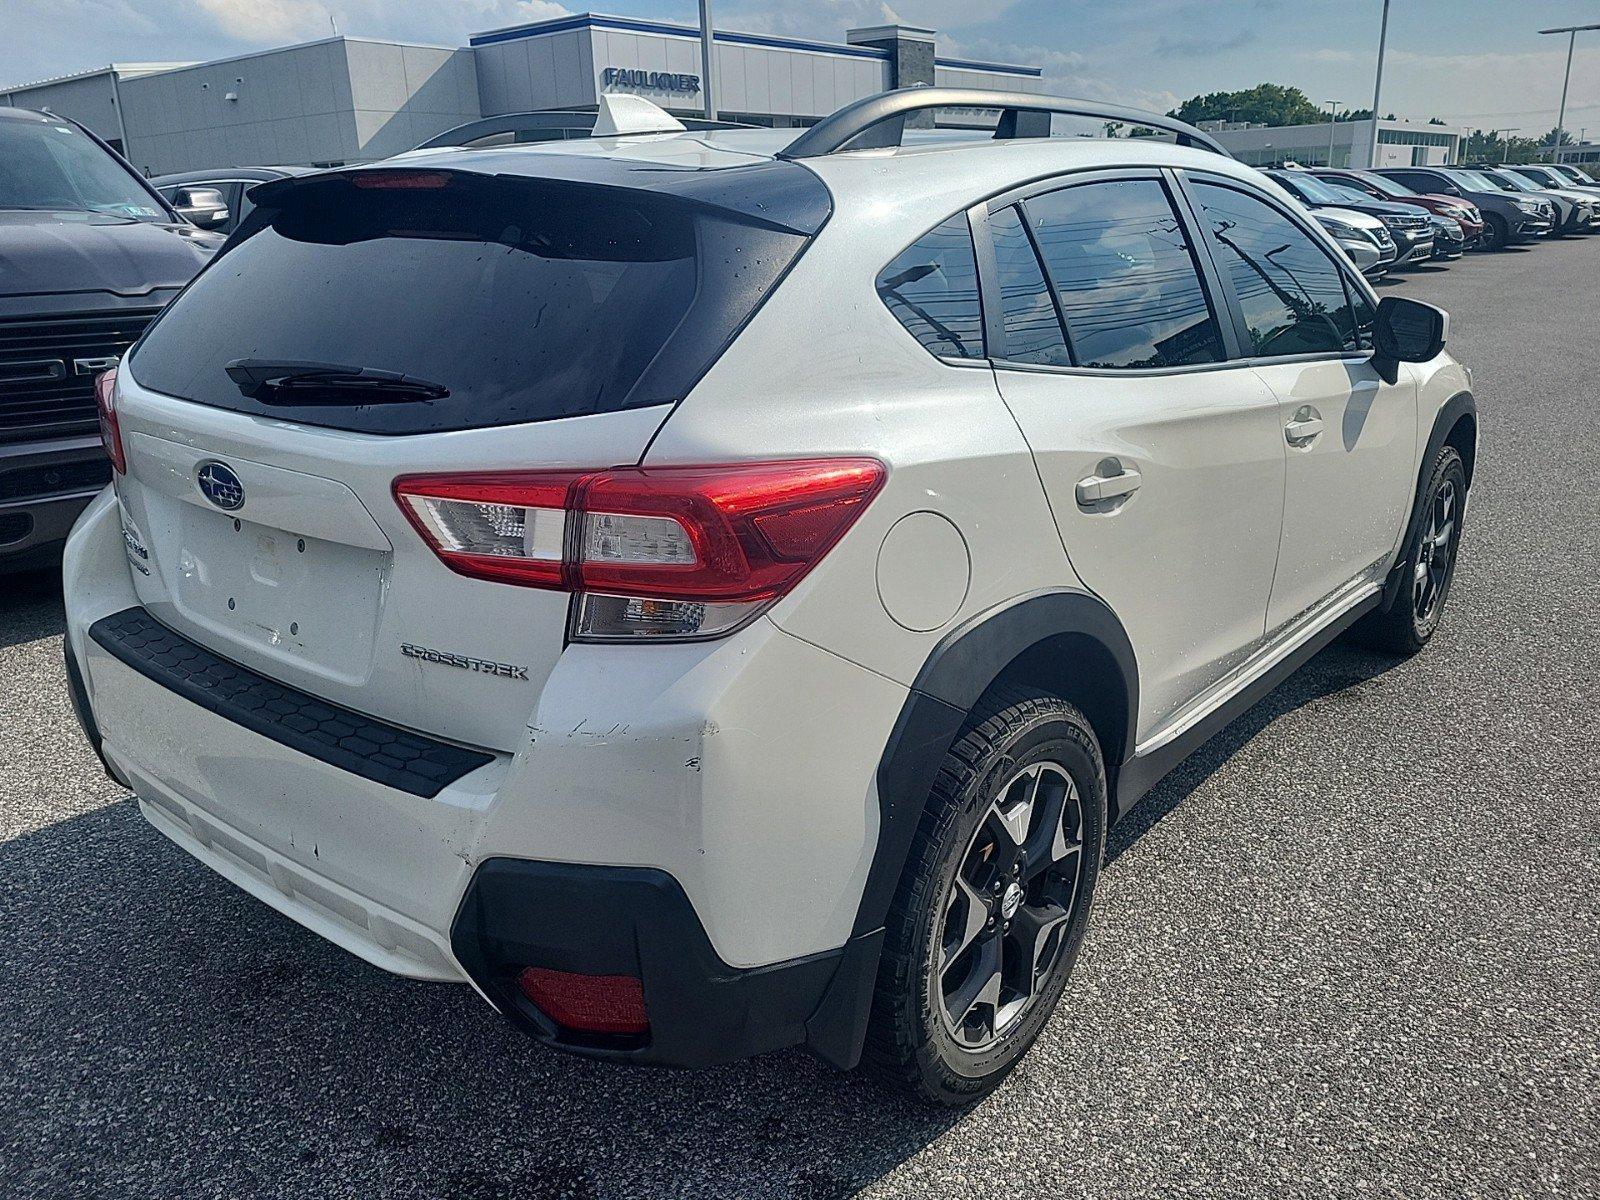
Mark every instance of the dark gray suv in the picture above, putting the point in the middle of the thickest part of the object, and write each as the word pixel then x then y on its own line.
pixel 1507 217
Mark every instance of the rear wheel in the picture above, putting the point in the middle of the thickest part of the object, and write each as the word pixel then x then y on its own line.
pixel 1429 565
pixel 992 908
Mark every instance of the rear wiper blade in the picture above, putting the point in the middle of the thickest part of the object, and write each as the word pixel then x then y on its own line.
pixel 275 380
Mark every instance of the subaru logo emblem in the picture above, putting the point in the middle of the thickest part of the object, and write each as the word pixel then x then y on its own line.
pixel 220 485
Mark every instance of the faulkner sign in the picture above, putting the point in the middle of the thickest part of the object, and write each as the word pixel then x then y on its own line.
pixel 650 81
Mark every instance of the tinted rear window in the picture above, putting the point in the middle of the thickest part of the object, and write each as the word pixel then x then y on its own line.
pixel 527 299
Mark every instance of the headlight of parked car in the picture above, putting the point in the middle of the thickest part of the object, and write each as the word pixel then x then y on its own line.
pixel 1532 207
pixel 1343 229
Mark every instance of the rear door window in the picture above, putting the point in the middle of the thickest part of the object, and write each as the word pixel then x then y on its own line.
pixel 1125 276
pixel 932 289
pixel 512 299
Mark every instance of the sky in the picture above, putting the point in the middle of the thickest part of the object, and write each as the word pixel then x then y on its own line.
pixel 1478 63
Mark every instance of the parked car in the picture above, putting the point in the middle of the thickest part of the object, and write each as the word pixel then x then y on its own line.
pixel 1364 239
pixel 1407 224
pixel 1575 173
pixel 1463 212
pixel 88 254
pixel 714 611
pixel 1449 239
pixel 1544 175
pixel 1576 211
pixel 1508 219
pixel 186 190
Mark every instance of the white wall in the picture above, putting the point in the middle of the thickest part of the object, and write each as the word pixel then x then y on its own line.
pixel 87 100
pixel 337 100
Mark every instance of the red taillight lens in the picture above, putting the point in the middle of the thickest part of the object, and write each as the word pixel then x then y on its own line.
pixel 653 551
pixel 587 1003
pixel 105 403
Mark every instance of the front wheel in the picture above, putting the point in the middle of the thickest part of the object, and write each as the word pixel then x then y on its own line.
pixel 994 901
pixel 1429 565
pixel 1496 233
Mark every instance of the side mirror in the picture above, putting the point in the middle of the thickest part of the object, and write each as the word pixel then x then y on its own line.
pixel 1408 330
pixel 202 206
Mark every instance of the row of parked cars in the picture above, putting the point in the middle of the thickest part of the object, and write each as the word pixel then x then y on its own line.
pixel 1396 217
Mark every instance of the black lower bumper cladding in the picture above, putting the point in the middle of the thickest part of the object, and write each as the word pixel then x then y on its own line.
pixel 361 745
pixel 637 921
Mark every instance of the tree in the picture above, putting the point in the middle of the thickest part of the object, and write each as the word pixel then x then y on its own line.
pixel 1491 146
pixel 1264 104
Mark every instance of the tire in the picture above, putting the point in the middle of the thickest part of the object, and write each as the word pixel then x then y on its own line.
pixel 1026 773
pixel 1413 618
pixel 1496 233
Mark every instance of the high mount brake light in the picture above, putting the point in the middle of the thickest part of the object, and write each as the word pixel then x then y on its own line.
pixel 401 180
pixel 105 404
pixel 650 552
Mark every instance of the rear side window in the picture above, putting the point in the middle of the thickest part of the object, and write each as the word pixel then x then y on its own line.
pixel 932 289
pixel 511 299
pixel 1291 291
pixel 1125 276
pixel 1032 325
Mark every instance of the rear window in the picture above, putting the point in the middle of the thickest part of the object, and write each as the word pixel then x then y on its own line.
pixel 504 299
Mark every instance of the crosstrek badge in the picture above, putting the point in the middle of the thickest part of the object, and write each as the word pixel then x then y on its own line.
pixel 466 663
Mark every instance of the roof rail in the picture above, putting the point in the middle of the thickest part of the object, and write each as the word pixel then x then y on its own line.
pixel 875 122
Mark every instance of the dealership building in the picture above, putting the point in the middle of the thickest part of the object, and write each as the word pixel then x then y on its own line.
pixel 1341 143
pixel 348 99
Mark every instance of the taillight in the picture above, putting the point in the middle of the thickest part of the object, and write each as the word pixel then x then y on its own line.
pixel 662 552
pixel 105 403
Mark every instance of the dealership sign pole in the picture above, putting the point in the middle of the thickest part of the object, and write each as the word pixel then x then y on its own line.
pixel 708 67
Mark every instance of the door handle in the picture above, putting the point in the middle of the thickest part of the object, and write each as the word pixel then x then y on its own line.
pixel 1111 480
pixel 1304 427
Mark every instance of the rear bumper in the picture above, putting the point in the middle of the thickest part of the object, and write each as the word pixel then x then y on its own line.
pixel 43 488
pixel 706 828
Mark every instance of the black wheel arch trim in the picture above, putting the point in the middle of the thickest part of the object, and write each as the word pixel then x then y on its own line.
pixel 1462 404
pixel 957 672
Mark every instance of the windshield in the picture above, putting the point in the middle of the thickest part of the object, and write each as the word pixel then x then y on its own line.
pixel 1343 194
pixel 1510 181
pixel 1310 187
pixel 1388 186
pixel 1473 181
pixel 1576 174
pixel 54 167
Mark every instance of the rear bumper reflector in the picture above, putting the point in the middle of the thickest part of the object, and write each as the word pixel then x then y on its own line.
pixel 337 736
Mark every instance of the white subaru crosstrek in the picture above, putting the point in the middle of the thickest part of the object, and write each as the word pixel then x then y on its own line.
pixel 713 592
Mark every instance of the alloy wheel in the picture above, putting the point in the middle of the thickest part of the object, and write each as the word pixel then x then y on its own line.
pixel 1010 905
pixel 1431 576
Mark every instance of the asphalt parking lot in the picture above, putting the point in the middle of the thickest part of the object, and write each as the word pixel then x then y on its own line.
pixel 1351 948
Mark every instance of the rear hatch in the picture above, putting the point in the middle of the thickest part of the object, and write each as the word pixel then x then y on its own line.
pixel 383 322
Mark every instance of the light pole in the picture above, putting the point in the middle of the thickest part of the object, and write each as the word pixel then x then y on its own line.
pixel 1572 32
pixel 708 61
pixel 1377 89
pixel 1333 114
